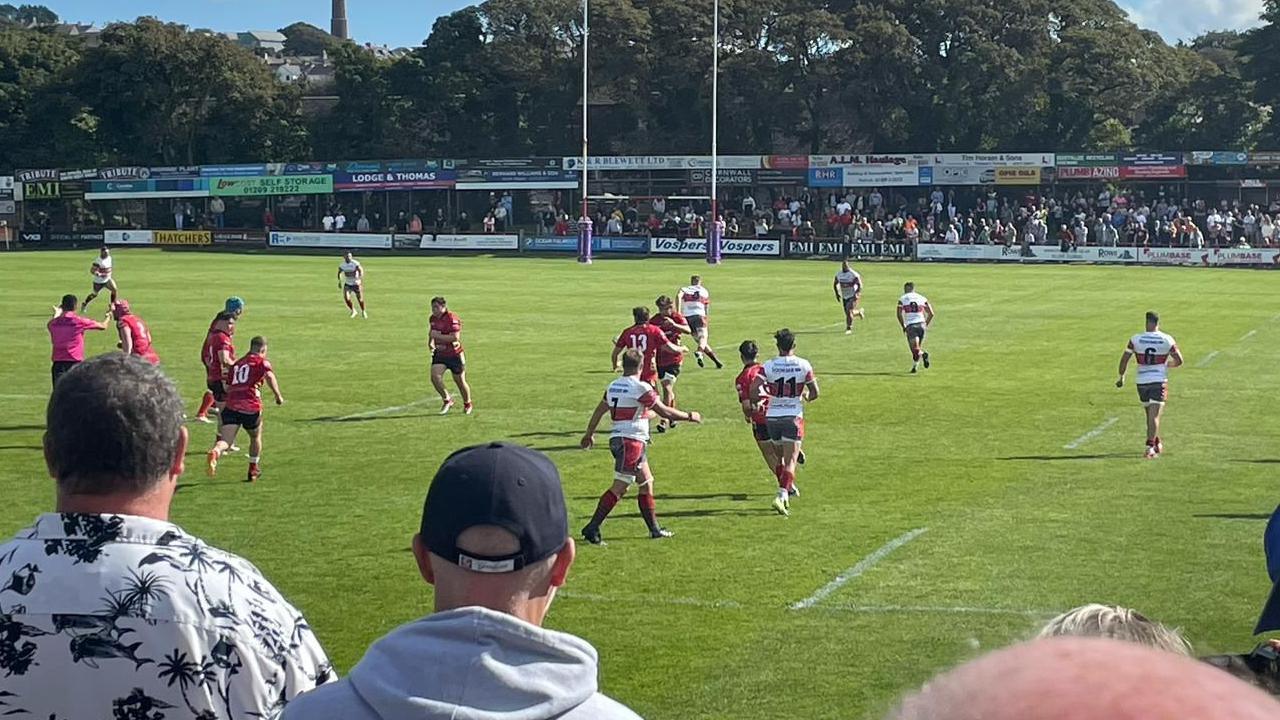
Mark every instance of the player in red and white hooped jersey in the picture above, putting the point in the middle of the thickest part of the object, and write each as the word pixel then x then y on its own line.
pixel 915 315
pixel 646 339
pixel 753 409
pixel 695 305
pixel 848 289
pixel 244 406
pixel 351 281
pixel 786 382
pixel 447 354
pixel 1156 352
pixel 135 338
pixel 629 402
pixel 673 325
pixel 217 355
pixel 101 271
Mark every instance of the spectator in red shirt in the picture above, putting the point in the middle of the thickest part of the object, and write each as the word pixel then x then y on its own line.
pixel 562 226
pixel 66 332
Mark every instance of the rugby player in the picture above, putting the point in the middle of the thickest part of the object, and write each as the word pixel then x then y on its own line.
pixel 351 281
pixel 754 413
pixel 629 402
pixel 447 354
pixel 646 338
pixel 217 355
pixel 780 389
pixel 135 338
pixel 101 271
pixel 915 315
pixel 244 406
pixel 1156 352
pixel 694 304
pixel 673 325
pixel 848 290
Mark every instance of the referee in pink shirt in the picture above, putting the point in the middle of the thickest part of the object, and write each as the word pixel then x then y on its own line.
pixel 66 332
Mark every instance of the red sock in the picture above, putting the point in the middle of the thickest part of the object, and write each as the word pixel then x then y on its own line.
pixel 206 402
pixel 780 472
pixel 915 354
pixel 787 481
pixel 604 507
pixel 647 511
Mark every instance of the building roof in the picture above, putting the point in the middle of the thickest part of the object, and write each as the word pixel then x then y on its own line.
pixel 266 36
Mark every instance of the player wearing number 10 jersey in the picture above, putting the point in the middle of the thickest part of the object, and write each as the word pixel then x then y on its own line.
pixel 244 406
pixel 645 339
pixel 629 402
pixel 1156 353
pixel 786 383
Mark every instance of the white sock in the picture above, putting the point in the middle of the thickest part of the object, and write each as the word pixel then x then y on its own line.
pixel 782 493
pixel 254 460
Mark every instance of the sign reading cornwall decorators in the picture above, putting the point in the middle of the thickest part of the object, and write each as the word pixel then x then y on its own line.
pixel 258 186
pixel 698 246
pixel 183 237
pixel 329 240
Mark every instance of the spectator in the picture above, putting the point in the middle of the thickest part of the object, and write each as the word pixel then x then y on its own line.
pixel 218 208
pixel 660 206
pixel 748 205
pixel 1267 230
pixel 494 542
pixel 415 224
pixel 500 215
pixel 440 220
pixel 614 225
pixel 1116 623
pixel 762 226
pixel 268 219
pixel 806 231
pixel 339 221
pixel 490 223
pixel 66 333
pixel 326 222
pixel 876 203
pixel 362 225
pixel 507 203
pixel 125 604
pixel 1086 679
pixel 952 235
pixel 179 215
pixel 464 222
pixel 562 226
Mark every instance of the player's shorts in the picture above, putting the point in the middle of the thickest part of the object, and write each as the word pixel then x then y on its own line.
pixel 915 331
pixel 99 283
pixel 1153 393
pixel 760 431
pixel 849 302
pixel 628 455
pixel 60 368
pixel 697 323
pixel 248 421
pixel 669 372
pixel 785 429
pixel 218 390
pixel 454 363
pixel 648 376
pixel 357 288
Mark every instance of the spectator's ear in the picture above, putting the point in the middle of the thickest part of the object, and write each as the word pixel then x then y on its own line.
pixel 564 560
pixel 179 461
pixel 423 556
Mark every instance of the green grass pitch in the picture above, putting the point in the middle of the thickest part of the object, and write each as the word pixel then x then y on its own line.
pixel 700 626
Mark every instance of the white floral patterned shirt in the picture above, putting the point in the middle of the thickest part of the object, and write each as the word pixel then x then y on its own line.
pixel 117 617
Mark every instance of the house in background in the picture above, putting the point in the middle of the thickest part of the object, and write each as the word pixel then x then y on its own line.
pixel 260 41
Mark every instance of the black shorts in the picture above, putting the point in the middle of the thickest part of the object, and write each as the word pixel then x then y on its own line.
pixel 915 331
pixel 760 431
pixel 454 363
pixel 248 421
pixel 785 429
pixel 697 323
pixel 668 371
pixel 218 389
pixel 1153 393
pixel 60 368
pixel 851 301
pixel 357 289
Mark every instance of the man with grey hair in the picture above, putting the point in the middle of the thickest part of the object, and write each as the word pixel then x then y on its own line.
pixel 494 542
pixel 1117 623
pixel 109 610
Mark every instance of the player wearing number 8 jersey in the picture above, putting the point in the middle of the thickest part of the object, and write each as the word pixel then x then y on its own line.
pixel 645 339
pixel 244 406
pixel 1156 352
pixel 915 315
pixel 786 383
pixel 629 402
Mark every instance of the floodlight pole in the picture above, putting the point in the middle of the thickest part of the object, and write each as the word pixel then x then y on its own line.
pixel 584 224
pixel 715 231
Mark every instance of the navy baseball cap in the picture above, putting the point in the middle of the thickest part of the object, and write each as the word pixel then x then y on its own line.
pixel 500 484
pixel 1270 619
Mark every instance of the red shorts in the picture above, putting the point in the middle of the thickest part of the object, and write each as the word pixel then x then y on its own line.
pixel 649 375
pixel 628 455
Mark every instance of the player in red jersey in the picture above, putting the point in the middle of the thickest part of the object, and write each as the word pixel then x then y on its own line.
pixel 135 338
pixel 673 325
pixel 217 356
pixel 646 339
pixel 754 408
pixel 244 406
pixel 447 354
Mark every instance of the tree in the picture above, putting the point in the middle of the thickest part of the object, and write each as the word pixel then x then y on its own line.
pixel 303 39
pixel 1259 54
pixel 364 122
pixel 27 15
pixel 31 63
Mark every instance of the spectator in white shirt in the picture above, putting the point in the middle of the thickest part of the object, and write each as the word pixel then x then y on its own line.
pixel 339 221
pixel 953 235
pixel 843 208
pixel 124 604
pixel 327 222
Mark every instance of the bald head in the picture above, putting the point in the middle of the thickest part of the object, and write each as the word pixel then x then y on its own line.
pixel 1084 679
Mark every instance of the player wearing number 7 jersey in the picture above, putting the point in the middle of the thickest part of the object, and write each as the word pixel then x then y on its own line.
pixel 915 315
pixel 629 402
pixel 1156 353
pixel 786 383
pixel 645 339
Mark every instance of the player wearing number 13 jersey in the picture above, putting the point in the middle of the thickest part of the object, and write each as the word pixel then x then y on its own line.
pixel 629 402
pixel 646 339
pixel 1156 352
pixel 244 406
pixel 786 383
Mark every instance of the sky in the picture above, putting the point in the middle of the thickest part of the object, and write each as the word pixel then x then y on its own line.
pixel 406 22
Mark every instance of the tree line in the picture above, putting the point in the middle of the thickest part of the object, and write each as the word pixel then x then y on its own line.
pixel 503 79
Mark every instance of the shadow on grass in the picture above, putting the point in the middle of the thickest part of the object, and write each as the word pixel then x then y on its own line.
pixel 700 513
pixel 552 448
pixel 1262 461
pixel 552 434
pixel 18 428
pixel 375 418
pixel 1234 516
pixel 21 447
pixel 1055 458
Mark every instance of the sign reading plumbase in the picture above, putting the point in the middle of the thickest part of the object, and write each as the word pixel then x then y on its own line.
pixel 259 186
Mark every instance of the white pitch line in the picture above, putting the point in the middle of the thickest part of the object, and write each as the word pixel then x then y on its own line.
pixel 1204 362
pixel 384 411
pixel 860 609
pixel 863 565
pixel 939 609
pixel 1075 444
pixel 1248 335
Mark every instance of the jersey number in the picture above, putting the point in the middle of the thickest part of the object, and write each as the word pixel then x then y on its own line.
pixel 240 375
pixel 616 413
pixel 1149 356
pixel 640 342
pixel 913 307
pixel 787 387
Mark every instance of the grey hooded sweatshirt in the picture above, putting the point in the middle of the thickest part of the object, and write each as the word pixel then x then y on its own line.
pixel 467 664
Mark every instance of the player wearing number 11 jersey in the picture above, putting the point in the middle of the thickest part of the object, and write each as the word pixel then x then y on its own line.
pixel 645 339
pixel 786 383
pixel 1156 353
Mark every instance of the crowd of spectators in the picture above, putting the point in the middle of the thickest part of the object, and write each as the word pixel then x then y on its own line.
pixel 112 609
